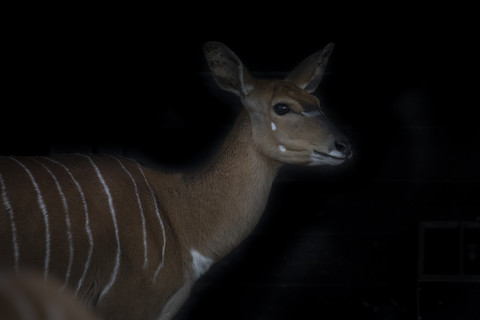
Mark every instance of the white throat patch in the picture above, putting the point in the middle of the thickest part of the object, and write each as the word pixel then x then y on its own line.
pixel 200 263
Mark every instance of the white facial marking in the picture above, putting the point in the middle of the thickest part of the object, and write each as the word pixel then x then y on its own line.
pixel 200 263
pixel 336 154
pixel 313 114
pixel 325 159
pixel 282 148
pixel 274 127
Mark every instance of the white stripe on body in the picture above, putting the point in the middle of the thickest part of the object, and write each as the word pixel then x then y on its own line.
pixel 6 203
pixel 87 224
pixel 157 212
pixel 67 223
pixel 142 215
pixel 43 208
pixel 116 268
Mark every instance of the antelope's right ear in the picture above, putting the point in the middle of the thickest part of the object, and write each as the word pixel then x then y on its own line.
pixel 308 74
pixel 227 69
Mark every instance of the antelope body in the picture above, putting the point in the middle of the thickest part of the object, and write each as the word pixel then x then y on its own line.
pixel 131 241
pixel 28 296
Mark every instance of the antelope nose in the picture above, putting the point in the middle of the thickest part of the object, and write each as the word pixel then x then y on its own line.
pixel 344 147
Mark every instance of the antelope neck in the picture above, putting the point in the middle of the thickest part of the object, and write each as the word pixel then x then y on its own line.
pixel 231 192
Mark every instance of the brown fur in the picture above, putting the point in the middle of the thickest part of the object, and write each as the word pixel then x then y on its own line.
pixel 28 296
pixel 205 213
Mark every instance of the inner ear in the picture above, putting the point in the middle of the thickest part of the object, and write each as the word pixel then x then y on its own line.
pixel 309 73
pixel 227 69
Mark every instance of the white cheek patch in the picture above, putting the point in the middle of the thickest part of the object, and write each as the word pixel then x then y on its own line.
pixel 282 148
pixel 274 127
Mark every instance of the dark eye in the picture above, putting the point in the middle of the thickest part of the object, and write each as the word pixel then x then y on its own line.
pixel 281 109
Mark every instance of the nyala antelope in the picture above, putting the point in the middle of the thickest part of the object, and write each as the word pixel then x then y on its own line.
pixel 131 241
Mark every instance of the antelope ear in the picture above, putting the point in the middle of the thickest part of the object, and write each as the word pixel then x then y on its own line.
pixel 227 69
pixel 308 74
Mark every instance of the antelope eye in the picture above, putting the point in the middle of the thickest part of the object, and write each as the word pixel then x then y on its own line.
pixel 281 109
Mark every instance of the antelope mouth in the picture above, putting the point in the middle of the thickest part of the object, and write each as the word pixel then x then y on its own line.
pixel 333 158
pixel 329 156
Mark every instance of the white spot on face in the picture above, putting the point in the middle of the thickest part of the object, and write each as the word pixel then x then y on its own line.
pixel 282 148
pixel 200 263
pixel 274 127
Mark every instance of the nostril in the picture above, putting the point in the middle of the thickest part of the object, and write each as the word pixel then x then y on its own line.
pixel 343 146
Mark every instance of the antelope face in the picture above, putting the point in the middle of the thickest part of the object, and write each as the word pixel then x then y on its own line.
pixel 290 126
pixel 287 122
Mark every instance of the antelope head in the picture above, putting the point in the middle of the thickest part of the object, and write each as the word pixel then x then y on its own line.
pixel 288 124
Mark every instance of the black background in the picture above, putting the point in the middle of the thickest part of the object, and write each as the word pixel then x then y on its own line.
pixel 334 243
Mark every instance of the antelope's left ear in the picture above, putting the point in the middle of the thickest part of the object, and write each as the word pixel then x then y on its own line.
pixel 227 69
pixel 308 74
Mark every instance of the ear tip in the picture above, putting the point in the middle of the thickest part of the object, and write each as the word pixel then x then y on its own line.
pixel 329 47
pixel 209 46
pixel 212 45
